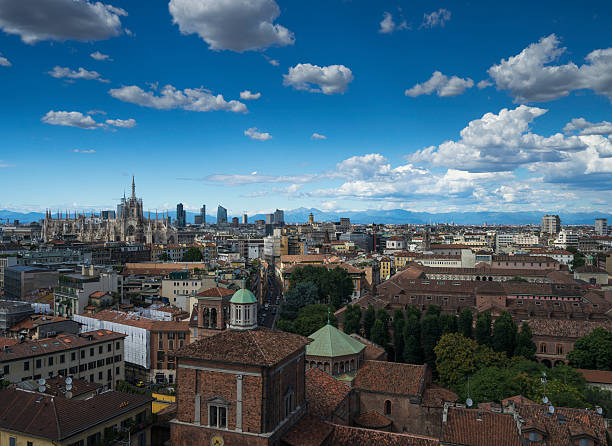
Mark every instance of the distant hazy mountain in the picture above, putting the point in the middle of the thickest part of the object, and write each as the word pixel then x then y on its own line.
pixel 397 216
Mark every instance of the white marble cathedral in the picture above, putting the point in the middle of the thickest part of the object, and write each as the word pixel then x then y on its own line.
pixel 129 226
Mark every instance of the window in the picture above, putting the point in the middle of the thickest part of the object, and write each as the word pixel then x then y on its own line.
pixel 109 374
pixel 161 340
pixel 12 441
pixel 26 366
pixel 100 362
pixel 38 363
pixel 534 436
pixel 118 370
pixel 6 369
pixel 217 416
pixel 559 349
pixel 171 344
pixel 160 355
pixel 30 443
pixel 91 351
pixel 118 345
pixel 100 350
pixel 91 378
pixel 62 359
pixel 50 360
pixel 118 358
pixel 387 407
pixel 109 346
pixel 82 354
pixel 73 356
pixel 542 348
pixel 584 442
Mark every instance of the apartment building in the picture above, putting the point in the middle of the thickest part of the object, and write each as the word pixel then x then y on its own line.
pixel 95 356
pixel 72 294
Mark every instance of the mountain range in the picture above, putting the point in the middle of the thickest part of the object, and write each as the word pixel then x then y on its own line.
pixel 394 216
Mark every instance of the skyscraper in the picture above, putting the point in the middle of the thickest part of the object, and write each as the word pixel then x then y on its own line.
pixel 221 215
pixel 201 219
pixel 245 219
pixel 279 217
pixel 551 224
pixel 181 216
pixel 601 226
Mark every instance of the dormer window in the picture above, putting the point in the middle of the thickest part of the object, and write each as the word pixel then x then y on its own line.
pixel 534 436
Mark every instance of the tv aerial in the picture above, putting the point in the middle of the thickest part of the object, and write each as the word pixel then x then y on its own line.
pixel 69 380
pixel 42 381
pixel 68 387
pixel 551 409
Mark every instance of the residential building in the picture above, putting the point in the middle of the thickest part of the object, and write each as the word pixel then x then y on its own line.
pixel 566 239
pixel 395 243
pixel 601 226
pixel 592 275
pixel 72 294
pixel 19 280
pixel 12 312
pixel 95 356
pixel 179 287
pixel 150 344
pixel 65 421
pixel 221 215
pixel 40 326
pixel 551 224
pixel 4 262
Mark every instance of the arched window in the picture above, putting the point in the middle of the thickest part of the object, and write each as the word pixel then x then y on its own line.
pixel 559 349
pixel 352 365
pixel 387 407
pixel 542 348
pixel 213 318
pixel 206 317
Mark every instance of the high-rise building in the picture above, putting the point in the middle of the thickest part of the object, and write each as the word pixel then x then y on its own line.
pixel 601 226
pixel 551 224
pixel 279 217
pixel 108 215
pixel 201 219
pixel 245 219
pixel 181 216
pixel 269 219
pixel 235 222
pixel 221 215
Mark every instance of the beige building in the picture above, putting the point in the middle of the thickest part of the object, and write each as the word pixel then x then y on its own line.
pixel 95 356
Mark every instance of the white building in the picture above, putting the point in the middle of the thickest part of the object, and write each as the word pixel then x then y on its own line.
pixel 560 255
pixel 178 291
pixel 601 226
pixel 566 239
pixel 395 244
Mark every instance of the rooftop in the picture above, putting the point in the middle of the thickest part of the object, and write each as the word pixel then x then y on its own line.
pixel 324 393
pixel 390 377
pixel 328 341
pixel 259 347
pixel 472 427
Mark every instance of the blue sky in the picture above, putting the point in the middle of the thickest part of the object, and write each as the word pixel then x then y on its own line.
pixel 352 105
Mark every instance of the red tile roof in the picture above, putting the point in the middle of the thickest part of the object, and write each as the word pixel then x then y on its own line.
pixel 597 376
pixel 472 427
pixel 517 399
pixel 324 393
pixel 568 328
pixel 354 436
pixel 390 377
pixel 436 396
pixel 216 292
pixel 261 347
pixel 57 418
pixel 372 420
pixel 309 431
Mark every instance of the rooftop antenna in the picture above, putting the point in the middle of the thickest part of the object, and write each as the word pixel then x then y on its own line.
pixel 543 379
pixel 328 315
pixel 469 401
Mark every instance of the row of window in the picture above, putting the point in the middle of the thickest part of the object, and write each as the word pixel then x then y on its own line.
pixel 64 372
pixel 40 363
pixel 544 348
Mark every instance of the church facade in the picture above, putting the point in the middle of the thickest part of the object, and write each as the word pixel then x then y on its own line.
pixel 129 226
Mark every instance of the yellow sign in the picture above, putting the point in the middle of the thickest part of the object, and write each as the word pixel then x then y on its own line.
pixel 217 440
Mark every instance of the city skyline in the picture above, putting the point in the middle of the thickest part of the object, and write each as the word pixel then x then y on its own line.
pixel 341 106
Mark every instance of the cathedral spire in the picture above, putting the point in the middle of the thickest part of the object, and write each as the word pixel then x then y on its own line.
pixel 133 188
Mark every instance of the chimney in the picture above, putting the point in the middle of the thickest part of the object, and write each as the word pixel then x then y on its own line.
pixel 83 272
pixel 92 270
pixel 479 416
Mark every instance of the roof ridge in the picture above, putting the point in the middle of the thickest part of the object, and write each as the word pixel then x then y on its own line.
pixel 257 344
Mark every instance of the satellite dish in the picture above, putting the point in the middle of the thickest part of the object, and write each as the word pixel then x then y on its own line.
pixel 599 410
pixel 69 387
pixel 469 402
pixel 68 395
pixel 545 400
pixel 551 409
pixel 69 380
pixel 42 389
pixel 42 381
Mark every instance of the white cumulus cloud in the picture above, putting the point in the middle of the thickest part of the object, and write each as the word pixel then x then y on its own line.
pixel 66 73
pixel 253 133
pixel 388 25
pixel 237 25
pixel 70 119
pixel 4 62
pixel 124 123
pixel 82 20
pixel 436 18
pixel 530 76
pixel 327 80
pixel 192 99
pixel 246 95
pixel 443 85
pixel 318 136
pixel 99 56
pixel 588 128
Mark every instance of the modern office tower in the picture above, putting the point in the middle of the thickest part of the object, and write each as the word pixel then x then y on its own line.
pixel 201 219
pixel 601 226
pixel 221 215
pixel 279 217
pixel 235 222
pixel 108 215
pixel 269 219
pixel 245 219
pixel 181 216
pixel 551 224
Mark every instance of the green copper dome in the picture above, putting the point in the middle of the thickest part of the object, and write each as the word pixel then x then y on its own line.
pixel 243 296
pixel 331 342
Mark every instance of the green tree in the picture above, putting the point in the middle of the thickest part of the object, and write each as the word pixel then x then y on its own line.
pixel 458 356
pixel 593 351
pixel 193 254
pixel 525 346
pixel 432 310
pixel 368 321
pixel 164 257
pixel 504 334
pixel 448 323
pixel 285 325
pixel 311 318
pixel 430 335
pixel 352 319
pixel 464 324
pixel 297 297
pixel 379 335
pixel 383 315
pixel 334 286
pixel 412 341
pixel 483 328
pixel 413 310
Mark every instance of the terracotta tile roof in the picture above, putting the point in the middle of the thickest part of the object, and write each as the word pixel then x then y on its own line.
pixel 466 427
pixel 36 320
pixel 6 342
pixel 372 420
pixel 568 328
pixel 590 269
pixel 436 396
pixel 597 376
pixel 372 351
pixel 564 423
pixel 353 436
pixel 324 393
pixel 261 347
pixel 56 418
pixel 99 294
pixel 309 431
pixel 216 292
pixel 56 386
pixel 390 377
pixel 58 343
pixel 520 399
pixel 120 317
